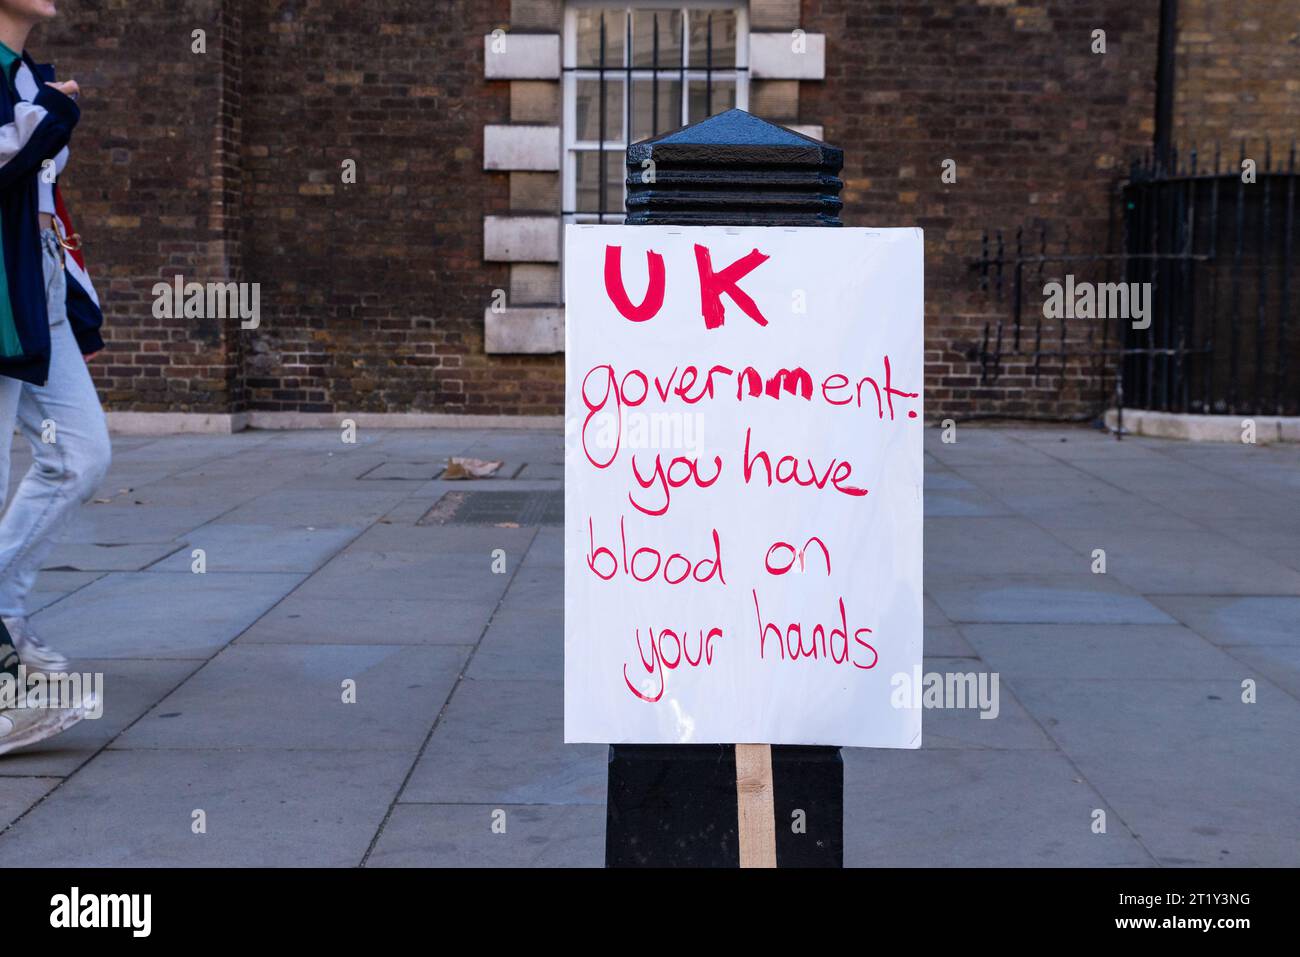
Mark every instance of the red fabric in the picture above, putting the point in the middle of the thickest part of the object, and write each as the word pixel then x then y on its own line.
pixel 61 211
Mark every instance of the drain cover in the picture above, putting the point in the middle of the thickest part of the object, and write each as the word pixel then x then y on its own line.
pixel 496 508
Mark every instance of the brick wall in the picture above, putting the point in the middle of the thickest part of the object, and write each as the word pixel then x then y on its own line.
pixel 1038 126
pixel 228 165
pixel 1238 74
pixel 373 293
pixel 144 187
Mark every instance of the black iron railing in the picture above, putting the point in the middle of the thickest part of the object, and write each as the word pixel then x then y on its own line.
pixel 1207 252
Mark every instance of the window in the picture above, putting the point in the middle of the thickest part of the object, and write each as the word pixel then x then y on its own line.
pixel 635 71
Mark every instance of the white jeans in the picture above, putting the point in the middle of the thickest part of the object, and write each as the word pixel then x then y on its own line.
pixel 65 426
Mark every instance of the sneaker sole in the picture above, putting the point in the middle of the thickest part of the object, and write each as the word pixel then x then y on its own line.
pixel 55 723
pixel 44 663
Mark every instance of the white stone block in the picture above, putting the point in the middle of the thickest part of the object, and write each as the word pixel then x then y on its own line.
pixel 1192 427
pixel 524 329
pixel 519 147
pixel 521 56
pixel 521 239
pixel 787 56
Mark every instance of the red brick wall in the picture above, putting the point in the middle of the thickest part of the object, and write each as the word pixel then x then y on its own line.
pixel 1238 74
pixel 142 186
pixel 228 165
pixel 373 293
pixel 1038 125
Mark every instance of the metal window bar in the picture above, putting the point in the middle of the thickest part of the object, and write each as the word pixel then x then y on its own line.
pixel 685 72
pixel 1187 231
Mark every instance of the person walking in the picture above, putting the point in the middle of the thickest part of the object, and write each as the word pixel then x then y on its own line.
pixel 49 329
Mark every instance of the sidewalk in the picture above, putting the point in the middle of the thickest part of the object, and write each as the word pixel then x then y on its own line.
pixel 1119 691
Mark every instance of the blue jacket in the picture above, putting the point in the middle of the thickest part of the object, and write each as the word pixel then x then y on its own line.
pixel 31 133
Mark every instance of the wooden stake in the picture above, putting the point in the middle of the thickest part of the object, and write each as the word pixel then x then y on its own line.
pixel 756 805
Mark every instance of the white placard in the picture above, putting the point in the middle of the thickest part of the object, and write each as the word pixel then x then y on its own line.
pixel 743 482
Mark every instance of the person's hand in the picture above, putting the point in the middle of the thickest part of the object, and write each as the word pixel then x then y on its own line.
pixel 68 88
pixel 90 356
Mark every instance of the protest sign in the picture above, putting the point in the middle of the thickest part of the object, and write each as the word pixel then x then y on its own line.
pixel 743 484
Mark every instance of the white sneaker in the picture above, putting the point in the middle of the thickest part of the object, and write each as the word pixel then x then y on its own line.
pixel 20 727
pixel 34 653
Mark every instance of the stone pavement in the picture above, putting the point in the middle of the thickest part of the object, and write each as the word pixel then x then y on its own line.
pixel 1119 691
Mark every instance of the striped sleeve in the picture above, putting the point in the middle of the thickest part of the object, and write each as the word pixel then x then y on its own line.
pixel 84 312
pixel 39 130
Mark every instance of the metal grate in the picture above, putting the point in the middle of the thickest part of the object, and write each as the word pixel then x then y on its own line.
pixel 497 508
pixel 1220 257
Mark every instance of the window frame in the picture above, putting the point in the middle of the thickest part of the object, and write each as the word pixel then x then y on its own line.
pixel 624 72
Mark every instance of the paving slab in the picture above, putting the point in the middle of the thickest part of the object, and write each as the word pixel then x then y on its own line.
pixel 949 503
pixel 460 541
pixel 83 557
pixel 542 470
pixel 230 547
pixel 1276 533
pixel 461 835
pixel 952 808
pixel 54 586
pixel 371 576
pixel 530 445
pixel 197 488
pixel 17 795
pixel 946 641
pixel 503 742
pixel 994 546
pixel 1201 777
pixel 1118 691
pixel 537 588
pixel 1279 664
pixel 1004 725
pixel 1176 562
pixel 292 696
pixel 343 466
pixel 298 506
pixel 1084 598
pixel 263 809
pixel 347 621
pixel 425 444
pixel 137 524
pixel 329 440
pixel 161 614
pixel 405 471
pixel 1289 556
pixel 940 479
pixel 547 548
pixel 1097 651
pixel 1226 620
pixel 977 446
pixel 521 645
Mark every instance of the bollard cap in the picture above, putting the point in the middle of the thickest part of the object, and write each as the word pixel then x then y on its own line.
pixel 734 169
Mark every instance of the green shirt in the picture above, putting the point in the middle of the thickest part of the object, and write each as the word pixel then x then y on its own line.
pixel 8 58
pixel 9 342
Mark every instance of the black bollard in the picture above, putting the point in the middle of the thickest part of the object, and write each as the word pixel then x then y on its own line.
pixel 675 805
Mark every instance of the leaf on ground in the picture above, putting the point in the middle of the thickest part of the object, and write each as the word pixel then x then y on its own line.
pixel 461 467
